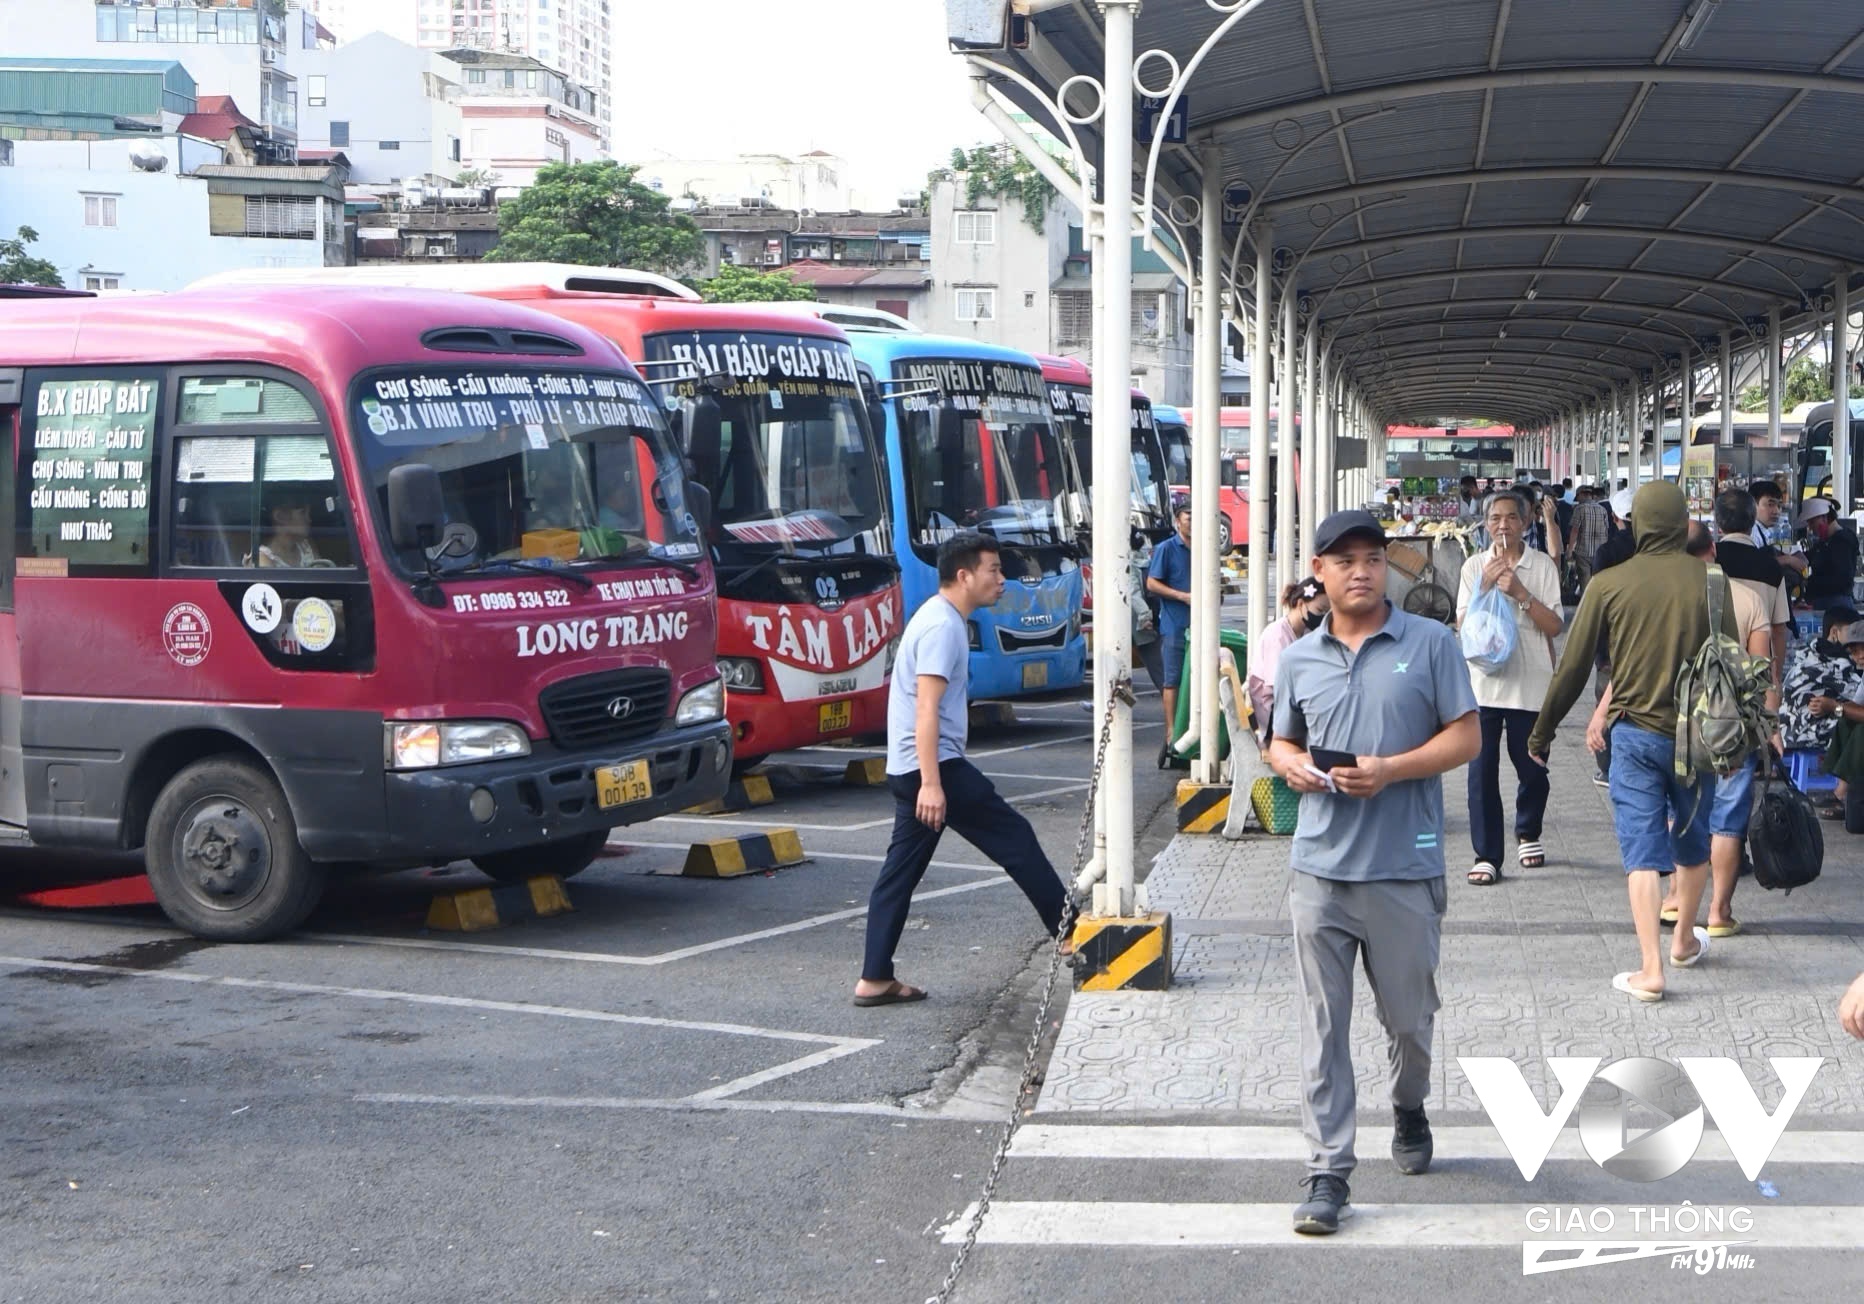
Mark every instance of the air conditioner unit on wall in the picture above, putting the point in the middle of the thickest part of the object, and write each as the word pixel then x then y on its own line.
pixel 436 251
pixel 773 259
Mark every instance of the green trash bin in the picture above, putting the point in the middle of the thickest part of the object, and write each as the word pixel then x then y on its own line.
pixel 1238 643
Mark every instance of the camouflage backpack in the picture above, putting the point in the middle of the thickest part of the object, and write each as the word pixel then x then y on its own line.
pixel 1721 699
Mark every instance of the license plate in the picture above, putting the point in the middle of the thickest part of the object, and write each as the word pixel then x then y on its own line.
pixel 618 785
pixel 833 716
pixel 1035 675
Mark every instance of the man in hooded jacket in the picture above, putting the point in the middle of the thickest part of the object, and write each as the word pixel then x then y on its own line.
pixel 1654 611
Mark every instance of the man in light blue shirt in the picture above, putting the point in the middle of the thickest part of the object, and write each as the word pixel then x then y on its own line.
pixel 1389 693
pixel 928 724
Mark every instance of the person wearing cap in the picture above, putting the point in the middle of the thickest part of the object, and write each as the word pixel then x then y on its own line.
pixel 1390 691
pixel 1832 560
pixel 1304 606
pixel 1168 578
pixel 1654 610
pixel 1510 695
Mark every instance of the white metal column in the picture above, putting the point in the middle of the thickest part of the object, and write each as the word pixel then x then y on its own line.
pixel 1323 442
pixel 1310 449
pixel 1685 411
pixel 1261 368
pixel 1635 434
pixel 1841 393
pixel 1725 385
pixel 1206 443
pixel 1773 376
pixel 1287 442
pixel 1113 625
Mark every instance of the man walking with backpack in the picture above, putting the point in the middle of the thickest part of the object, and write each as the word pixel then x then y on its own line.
pixel 1654 610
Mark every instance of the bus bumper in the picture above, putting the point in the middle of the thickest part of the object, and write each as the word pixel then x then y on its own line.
pixel 763 723
pixel 1025 674
pixel 448 814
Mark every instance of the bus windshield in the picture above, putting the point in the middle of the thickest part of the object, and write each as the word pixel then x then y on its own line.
pixel 1176 440
pixel 557 467
pixel 981 454
pixel 791 465
pixel 1151 490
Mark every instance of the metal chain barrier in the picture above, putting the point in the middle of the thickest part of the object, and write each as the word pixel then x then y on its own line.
pixel 1122 692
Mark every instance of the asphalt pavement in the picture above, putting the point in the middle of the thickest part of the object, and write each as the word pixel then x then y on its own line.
pixel 664 1095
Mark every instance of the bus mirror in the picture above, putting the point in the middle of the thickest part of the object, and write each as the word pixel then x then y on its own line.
pixel 699 502
pixel 416 507
pixel 950 426
pixel 705 423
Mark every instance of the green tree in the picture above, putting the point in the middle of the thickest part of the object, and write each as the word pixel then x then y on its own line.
pixel 17 267
pixel 1806 381
pixel 748 285
pixel 996 170
pixel 599 215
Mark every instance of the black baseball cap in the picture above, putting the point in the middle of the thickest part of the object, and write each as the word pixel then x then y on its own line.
pixel 1341 526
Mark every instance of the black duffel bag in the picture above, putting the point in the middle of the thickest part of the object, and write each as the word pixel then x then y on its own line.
pixel 1786 845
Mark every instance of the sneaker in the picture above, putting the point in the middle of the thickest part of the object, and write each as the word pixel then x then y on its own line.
pixel 1599 780
pixel 1320 1213
pixel 1411 1144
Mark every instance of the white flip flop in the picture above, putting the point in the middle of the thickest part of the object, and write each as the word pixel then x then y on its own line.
pixel 1702 938
pixel 1622 983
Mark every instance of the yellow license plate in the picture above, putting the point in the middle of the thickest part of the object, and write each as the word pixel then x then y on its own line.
pixel 618 785
pixel 1035 675
pixel 834 716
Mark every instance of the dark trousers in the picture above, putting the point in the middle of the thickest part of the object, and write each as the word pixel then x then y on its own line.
pixel 1485 783
pixel 976 813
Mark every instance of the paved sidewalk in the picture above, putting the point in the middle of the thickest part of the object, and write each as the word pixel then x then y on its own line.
pixel 1526 973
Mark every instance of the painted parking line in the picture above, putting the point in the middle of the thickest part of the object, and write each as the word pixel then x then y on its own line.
pixel 831 1047
pixel 1134 1224
pixel 953 1111
pixel 1170 1141
pixel 814 855
pixel 859 826
pixel 1052 742
pixel 663 957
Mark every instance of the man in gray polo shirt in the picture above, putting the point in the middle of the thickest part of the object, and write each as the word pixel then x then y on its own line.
pixel 1390 691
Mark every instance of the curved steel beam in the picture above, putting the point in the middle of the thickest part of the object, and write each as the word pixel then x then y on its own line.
pixel 1421 332
pixel 1459 363
pixel 1692 284
pixel 1548 390
pixel 1654 313
pixel 1555 231
pixel 1513 345
pixel 1525 79
pixel 1808 189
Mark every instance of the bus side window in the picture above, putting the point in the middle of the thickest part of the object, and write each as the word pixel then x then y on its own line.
pixel 261 497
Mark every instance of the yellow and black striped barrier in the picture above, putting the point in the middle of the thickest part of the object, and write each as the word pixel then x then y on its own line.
pixel 751 790
pixel 868 773
pixel 477 909
pixel 1123 954
pixel 1202 807
pixel 750 854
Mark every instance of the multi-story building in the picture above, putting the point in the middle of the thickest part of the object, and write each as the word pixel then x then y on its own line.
pixel 998 278
pixel 240 48
pixel 817 180
pixel 519 114
pixel 572 36
pixel 392 109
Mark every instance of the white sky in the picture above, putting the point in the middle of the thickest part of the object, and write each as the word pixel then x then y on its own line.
pixel 870 80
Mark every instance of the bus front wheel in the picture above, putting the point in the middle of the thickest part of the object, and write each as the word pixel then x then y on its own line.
pixel 223 856
pixel 566 858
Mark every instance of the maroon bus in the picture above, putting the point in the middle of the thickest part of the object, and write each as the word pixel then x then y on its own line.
pixel 307 577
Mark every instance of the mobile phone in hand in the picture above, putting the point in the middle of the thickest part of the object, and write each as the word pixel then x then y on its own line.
pixel 1327 759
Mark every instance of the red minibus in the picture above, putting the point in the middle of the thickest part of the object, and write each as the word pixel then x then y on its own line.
pixel 305 577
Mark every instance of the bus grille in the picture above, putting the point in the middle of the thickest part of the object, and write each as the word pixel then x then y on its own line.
pixel 1052 640
pixel 589 711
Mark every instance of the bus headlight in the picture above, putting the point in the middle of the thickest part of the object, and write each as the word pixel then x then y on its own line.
pixel 703 705
pixel 974 637
pixel 741 674
pixel 424 744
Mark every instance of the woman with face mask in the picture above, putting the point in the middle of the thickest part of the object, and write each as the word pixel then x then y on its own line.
pixel 1304 606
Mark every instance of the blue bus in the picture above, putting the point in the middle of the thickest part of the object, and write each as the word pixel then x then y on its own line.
pixel 970 446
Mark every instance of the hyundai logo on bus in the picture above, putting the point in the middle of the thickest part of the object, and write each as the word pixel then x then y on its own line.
pixel 620 708
pixel 1677 1093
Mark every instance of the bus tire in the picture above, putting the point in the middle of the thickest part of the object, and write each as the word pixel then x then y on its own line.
pixel 565 857
pixel 223 855
pixel 1223 534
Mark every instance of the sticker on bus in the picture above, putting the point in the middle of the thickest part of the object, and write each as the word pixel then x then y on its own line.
pixel 187 634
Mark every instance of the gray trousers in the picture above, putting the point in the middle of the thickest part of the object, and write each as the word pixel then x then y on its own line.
pixel 1393 928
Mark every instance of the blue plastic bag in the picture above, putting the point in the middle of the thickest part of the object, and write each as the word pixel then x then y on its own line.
pixel 1489 632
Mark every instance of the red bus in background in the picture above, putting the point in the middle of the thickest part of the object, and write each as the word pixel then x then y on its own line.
pixel 1232 465
pixel 769 411
pixel 304 576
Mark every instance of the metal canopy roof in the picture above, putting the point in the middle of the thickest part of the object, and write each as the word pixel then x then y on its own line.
pixel 1507 207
